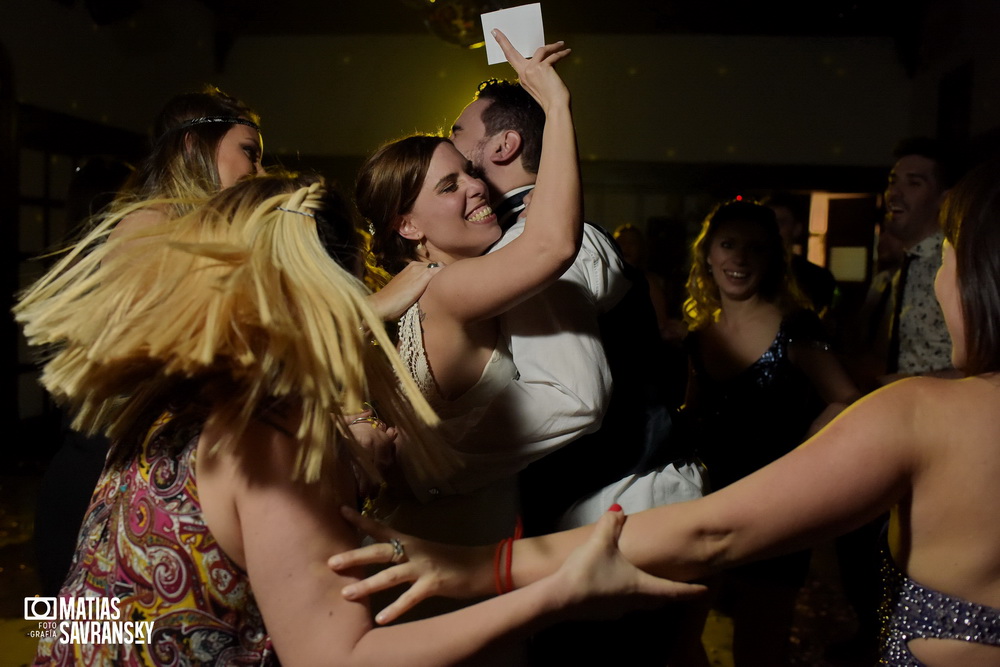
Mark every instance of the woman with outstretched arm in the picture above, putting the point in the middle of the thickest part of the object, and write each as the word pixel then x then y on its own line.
pixel 924 449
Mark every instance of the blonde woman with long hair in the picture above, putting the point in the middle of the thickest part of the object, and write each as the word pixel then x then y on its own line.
pixel 225 355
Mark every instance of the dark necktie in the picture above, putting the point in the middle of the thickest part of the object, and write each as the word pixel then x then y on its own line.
pixel 892 363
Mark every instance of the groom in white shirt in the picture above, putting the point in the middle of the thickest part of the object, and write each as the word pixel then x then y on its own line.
pixel 556 337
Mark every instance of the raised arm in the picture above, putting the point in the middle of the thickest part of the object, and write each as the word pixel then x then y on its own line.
pixel 554 400
pixel 487 286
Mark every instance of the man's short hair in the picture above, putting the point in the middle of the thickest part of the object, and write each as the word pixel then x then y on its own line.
pixel 513 108
pixel 946 167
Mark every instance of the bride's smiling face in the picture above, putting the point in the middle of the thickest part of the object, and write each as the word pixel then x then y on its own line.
pixel 451 214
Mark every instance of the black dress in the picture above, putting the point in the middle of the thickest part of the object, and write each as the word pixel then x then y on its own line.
pixel 742 423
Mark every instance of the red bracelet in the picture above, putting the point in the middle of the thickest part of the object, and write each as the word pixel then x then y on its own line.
pixel 510 559
pixel 505 581
pixel 496 566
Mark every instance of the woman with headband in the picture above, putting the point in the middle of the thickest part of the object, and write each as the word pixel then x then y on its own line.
pixel 202 143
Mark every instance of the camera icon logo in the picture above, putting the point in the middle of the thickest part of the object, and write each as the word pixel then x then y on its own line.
pixel 41 609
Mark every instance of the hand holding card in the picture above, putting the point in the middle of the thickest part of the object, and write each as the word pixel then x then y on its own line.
pixel 537 75
pixel 522 25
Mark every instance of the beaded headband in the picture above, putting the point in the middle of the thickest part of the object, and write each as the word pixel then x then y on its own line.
pixel 229 120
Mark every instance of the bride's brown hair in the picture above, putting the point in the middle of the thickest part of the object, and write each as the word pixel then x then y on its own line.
pixel 388 185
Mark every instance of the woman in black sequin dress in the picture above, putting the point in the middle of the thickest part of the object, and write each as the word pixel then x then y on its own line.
pixel 762 379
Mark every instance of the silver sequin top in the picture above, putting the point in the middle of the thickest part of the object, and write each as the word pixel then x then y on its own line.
pixel 911 611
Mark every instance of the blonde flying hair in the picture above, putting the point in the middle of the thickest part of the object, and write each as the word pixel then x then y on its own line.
pixel 236 306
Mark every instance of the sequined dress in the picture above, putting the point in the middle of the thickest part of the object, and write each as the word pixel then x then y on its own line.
pixel 911 611
pixel 144 540
pixel 744 422
pixel 741 423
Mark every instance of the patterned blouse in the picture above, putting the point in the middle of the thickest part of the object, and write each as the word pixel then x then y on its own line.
pixel 144 541
pixel 924 343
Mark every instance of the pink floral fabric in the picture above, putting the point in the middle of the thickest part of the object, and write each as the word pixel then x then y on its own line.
pixel 144 541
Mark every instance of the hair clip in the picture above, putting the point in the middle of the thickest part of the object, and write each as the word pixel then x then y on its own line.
pixel 292 210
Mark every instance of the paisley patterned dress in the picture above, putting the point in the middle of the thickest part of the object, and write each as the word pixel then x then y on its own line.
pixel 144 540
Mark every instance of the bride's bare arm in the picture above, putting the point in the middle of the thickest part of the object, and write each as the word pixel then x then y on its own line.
pixel 483 287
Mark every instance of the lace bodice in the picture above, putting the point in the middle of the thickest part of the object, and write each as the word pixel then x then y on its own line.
pixel 458 416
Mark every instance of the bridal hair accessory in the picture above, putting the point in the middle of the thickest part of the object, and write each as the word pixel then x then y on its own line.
pixel 229 120
pixel 292 210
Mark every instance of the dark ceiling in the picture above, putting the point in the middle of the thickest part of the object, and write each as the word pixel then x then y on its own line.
pixel 783 17
pixel 900 20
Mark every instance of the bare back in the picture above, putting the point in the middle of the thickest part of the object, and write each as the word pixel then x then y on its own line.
pixel 954 536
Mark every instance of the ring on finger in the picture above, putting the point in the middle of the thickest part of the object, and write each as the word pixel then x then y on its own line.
pixel 398 551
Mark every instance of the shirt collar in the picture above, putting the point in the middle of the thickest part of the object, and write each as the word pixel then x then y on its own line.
pixel 929 247
pixel 510 205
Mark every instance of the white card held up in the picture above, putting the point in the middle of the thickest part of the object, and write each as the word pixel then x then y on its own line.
pixel 523 27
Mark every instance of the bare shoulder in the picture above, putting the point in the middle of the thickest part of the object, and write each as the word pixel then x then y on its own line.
pixel 900 416
pixel 965 404
pixel 914 400
pixel 946 416
pixel 139 220
pixel 924 393
pixel 266 456
pixel 132 225
pixel 954 544
pixel 282 530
